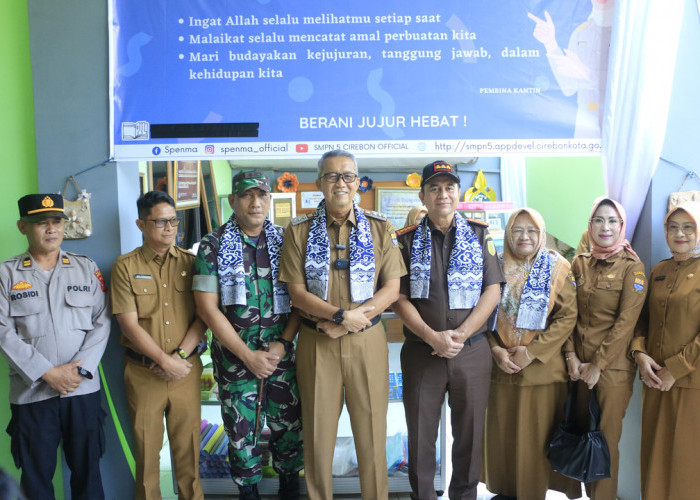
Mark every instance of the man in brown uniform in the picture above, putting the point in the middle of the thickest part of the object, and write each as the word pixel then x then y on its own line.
pixel 153 303
pixel 453 285
pixel 342 268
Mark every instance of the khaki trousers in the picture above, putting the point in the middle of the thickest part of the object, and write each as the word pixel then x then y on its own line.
pixel 150 398
pixel 354 369
pixel 614 393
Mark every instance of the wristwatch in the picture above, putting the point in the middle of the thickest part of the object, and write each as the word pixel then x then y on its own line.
pixel 338 316
pixel 181 352
pixel 288 346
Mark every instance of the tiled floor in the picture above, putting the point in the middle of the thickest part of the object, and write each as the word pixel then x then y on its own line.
pixel 483 494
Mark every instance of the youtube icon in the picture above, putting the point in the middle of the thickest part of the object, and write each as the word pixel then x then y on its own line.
pixel 302 148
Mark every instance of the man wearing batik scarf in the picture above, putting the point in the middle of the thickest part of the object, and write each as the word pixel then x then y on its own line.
pixel 239 296
pixel 342 267
pixel 453 285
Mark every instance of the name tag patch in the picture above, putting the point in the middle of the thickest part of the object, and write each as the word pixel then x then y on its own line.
pixel 143 276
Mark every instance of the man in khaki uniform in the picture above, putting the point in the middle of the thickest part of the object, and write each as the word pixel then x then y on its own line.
pixel 153 303
pixel 342 267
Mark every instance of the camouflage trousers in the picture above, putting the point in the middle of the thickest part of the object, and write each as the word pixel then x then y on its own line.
pixel 281 410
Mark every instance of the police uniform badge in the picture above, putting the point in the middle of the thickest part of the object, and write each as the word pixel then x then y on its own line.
pixel 101 279
pixel 21 285
pixel 639 281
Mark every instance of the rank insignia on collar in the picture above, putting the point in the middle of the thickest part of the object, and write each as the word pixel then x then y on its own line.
pixel 21 285
pixel 65 260
pixel 27 262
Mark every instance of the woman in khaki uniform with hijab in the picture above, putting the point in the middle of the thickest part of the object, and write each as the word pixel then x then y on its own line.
pixel 610 291
pixel 666 348
pixel 528 383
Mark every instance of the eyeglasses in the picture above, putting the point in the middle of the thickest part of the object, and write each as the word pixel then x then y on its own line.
pixel 333 177
pixel 160 223
pixel 519 231
pixel 600 221
pixel 686 228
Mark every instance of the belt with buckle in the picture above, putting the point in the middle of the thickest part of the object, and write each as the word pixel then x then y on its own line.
pixel 144 360
pixel 314 325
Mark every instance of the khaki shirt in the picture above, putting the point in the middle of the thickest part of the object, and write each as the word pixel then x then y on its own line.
pixel 548 366
pixel 388 262
pixel 158 290
pixel 50 321
pixel 670 321
pixel 435 310
pixel 610 295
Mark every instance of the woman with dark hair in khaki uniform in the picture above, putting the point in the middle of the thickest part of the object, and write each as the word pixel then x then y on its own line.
pixel 610 291
pixel 528 382
pixel 666 348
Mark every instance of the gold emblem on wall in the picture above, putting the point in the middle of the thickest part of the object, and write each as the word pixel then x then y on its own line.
pixel 479 191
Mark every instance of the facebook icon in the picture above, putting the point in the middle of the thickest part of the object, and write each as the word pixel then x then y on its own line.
pixel 156 151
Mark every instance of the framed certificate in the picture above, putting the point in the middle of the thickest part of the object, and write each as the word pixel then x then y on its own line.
pixel 186 176
pixel 395 203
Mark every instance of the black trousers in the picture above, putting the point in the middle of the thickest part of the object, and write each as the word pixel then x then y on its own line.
pixel 36 429
pixel 466 379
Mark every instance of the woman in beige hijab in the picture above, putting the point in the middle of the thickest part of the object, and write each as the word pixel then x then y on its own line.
pixel 610 291
pixel 666 348
pixel 528 383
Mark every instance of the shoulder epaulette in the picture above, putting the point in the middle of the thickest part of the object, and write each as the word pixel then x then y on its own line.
pixel 298 220
pixel 406 229
pixel 375 215
pixel 478 222
pixel 583 25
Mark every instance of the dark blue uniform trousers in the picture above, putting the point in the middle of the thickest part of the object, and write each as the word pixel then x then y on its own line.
pixel 36 429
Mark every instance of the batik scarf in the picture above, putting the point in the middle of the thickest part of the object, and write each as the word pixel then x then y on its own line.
pixel 531 282
pixel 318 256
pixel 232 272
pixel 692 208
pixel 465 269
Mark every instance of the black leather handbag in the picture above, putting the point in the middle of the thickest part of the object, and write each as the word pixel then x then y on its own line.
pixel 578 454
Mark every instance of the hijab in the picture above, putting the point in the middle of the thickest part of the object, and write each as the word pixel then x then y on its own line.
pixel 692 208
pixel 552 270
pixel 620 244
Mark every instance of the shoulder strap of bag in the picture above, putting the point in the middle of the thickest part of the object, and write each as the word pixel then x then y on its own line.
pixel 569 417
pixel 75 183
pixel 593 411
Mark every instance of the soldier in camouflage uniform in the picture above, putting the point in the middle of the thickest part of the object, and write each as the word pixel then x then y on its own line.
pixel 247 309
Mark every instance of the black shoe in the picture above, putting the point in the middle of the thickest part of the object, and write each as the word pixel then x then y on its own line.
pixel 248 492
pixel 289 486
